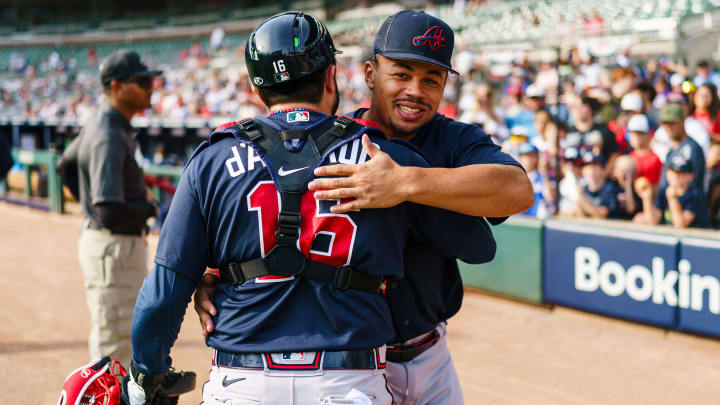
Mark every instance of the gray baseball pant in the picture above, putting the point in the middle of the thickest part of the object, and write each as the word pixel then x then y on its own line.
pixel 429 379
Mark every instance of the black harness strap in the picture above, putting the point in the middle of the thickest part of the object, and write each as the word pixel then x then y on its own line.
pixel 254 133
pixel 341 127
pixel 340 277
pixel 285 259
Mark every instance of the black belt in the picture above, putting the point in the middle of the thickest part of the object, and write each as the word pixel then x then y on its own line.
pixel 97 227
pixel 365 359
pixel 402 354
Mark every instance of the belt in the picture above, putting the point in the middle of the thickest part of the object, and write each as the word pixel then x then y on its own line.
pixel 96 227
pixel 402 354
pixel 366 359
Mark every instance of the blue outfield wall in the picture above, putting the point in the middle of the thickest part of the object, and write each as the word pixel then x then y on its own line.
pixel 655 275
pixel 699 286
pixel 619 273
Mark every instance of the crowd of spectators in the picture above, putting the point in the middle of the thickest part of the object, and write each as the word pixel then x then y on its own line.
pixel 614 138
pixel 638 142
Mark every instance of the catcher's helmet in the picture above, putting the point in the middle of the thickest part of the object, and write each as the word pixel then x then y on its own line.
pixel 287 47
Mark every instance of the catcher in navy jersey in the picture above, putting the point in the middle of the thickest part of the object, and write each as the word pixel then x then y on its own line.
pixel 301 314
pixel 469 174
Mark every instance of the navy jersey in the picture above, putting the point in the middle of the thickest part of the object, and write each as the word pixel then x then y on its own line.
pixel 225 210
pixel 605 196
pixel 432 289
pixel 693 200
pixel 688 150
pixel 622 202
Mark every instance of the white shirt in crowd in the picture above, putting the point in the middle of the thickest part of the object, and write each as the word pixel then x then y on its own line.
pixel 661 141
pixel 569 196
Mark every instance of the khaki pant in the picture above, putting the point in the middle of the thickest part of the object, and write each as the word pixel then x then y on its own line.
pixel 114 267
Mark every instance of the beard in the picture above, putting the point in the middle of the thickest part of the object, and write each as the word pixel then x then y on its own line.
pixel 403 131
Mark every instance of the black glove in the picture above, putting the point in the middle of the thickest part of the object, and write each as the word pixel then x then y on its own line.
pixel 162 389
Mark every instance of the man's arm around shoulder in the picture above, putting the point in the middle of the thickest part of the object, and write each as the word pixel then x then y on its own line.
pixel 489 190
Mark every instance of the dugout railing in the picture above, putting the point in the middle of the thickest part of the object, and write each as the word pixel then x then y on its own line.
pixel 159 177
pixel 46 159
pixel 37 146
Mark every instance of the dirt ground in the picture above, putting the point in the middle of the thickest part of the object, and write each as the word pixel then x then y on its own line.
pixel 505 352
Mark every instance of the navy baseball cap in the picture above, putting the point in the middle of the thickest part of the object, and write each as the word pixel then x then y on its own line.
pixel 680 163
pixel 415 35
pixel 123 64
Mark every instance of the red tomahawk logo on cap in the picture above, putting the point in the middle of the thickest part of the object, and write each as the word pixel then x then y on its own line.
pixel 432 36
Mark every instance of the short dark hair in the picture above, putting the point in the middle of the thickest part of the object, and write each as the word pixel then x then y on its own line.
pixel 308 89
pixel 591 102
pixel 647 88
pixel 559 124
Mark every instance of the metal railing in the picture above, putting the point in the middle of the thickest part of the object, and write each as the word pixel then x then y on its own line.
pixel 47 159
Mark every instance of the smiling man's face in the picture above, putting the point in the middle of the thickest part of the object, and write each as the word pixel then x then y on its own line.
pixel 406 94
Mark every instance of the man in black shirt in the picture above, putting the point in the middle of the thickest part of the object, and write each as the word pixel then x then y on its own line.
pixel 115 203
pixel 587 135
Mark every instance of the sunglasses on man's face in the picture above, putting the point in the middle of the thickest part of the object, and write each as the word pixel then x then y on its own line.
pixel 145 82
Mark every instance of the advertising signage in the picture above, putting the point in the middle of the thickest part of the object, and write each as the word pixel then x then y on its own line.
pixel 625 274
pixel 699 286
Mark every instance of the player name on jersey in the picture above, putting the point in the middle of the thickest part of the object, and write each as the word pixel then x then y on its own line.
pixel 245 158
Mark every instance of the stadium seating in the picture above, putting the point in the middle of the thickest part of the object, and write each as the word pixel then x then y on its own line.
pixel 509 21
pixel 495 22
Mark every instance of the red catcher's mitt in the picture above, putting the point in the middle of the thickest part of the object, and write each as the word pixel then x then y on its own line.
pixel 96 383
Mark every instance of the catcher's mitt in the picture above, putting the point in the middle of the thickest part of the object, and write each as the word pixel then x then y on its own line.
pixel 100 383
pixel 96 383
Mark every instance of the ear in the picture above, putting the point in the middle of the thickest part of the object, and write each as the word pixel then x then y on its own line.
pixel 330 79
pixel 114 85
pixel 370 72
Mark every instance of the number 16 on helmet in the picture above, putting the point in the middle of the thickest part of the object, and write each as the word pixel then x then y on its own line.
pixel 287 47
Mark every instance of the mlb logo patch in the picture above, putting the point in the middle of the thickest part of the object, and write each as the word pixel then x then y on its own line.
pixel 297 116
pixel 294 356
pixel 293 360
pixel 282 77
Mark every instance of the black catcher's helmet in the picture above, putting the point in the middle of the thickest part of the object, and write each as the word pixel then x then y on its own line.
pixel 286 47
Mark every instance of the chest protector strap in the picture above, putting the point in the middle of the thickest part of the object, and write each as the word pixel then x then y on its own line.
pixel 285 259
